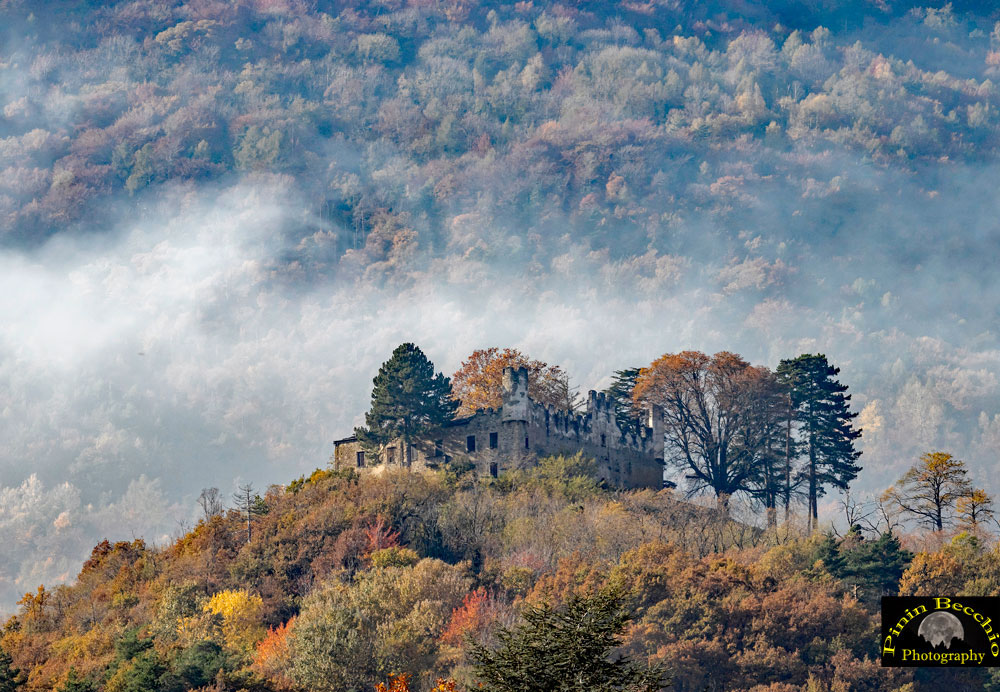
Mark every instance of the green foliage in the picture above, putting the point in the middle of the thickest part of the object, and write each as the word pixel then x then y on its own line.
pixel 620 391
pixel 408 400
pixel 198 665
pixel 394 557
pixel 570 477
pixel 140 674
pixel 569 648
pixel 317 476
pixel 875 567
pixel 11 678
pixel 143 169
pixel 131 645
pixel 74 683
pixel 317 601
pixel 822 412
pixel 378 48
pixel 349 636
pixel 258 148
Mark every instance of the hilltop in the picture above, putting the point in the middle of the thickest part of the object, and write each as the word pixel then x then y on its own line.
pixel 349 579
pixel 352 578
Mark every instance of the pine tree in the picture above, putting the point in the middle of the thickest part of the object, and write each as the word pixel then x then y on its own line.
pixel 764 432
pixel 11 678
pixel 74 683
pixel 408 400
pixel 827 551
pixel 565 650
pixel 620 392
pixel 875 567
pixel 249 504
pixel 823 416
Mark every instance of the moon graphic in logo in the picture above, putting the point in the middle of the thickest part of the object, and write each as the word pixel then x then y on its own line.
pixel 940 628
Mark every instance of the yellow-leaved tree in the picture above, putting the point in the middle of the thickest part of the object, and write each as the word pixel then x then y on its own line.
pixel 241 619
pixel 930 489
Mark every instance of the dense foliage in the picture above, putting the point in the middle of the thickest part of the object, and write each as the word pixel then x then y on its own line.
pixel 634 127
pixel 450 139
pixel 478 383
pixel 822 410
pixel 565 649
pixel 352 579
pixel 408 400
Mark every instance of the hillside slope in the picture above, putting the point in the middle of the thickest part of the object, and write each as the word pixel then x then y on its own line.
pixel 347 580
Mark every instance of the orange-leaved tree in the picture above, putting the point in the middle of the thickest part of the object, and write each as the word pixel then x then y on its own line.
pixel 716 428
pixel 401 683
pixel 477 612
pixel 478 384
pixel 272 657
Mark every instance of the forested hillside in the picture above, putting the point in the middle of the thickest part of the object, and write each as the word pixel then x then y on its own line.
pixel 215 217
pixel 349 580
pixel 630 126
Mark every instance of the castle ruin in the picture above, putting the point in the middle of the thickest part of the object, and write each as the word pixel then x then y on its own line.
pixel 522 430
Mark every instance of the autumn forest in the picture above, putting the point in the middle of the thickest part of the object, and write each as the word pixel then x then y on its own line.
pixel 773 223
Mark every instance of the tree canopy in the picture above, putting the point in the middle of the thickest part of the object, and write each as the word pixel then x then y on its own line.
pixel 824 420
pixel 621 390
pixel 566 649
pixel 931 488
pixel 408 400
pixel 716 430
pixel 478 383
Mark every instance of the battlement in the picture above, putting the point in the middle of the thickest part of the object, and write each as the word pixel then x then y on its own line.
pixel 522 429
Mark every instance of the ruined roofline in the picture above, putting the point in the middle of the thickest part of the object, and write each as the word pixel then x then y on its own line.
pixel 597 403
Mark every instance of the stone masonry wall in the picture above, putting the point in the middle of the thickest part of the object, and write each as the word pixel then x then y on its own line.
pixel 494 440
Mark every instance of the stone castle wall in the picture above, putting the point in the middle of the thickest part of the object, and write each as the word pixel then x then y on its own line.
pixel 522 430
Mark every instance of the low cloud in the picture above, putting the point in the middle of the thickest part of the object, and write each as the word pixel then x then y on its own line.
pixel 180 350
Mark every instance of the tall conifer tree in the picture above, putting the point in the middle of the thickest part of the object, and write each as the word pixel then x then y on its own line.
pixel 620 391
pixel 408 400
pixel 822 413
pixel 565 650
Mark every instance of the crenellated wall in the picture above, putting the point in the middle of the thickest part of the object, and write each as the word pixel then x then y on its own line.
pixel 521 430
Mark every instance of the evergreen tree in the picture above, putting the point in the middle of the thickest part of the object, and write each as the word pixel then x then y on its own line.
pixel 823 417
pixel 408 400
pixel 74 683
pixel 827 551
pixel 763 432
pixel 875 567
pixel 11 678
pixel 249 504
pixel 620 392
pixel 565 650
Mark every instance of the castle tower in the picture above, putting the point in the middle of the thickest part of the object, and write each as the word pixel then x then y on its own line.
pixel 515 394
pixel 515 414
pixel 654 421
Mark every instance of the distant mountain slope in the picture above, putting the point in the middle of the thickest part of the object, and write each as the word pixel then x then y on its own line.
pixel 632 123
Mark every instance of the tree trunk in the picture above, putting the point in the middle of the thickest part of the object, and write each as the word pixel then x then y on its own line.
pixel 788 459
pixel 813 509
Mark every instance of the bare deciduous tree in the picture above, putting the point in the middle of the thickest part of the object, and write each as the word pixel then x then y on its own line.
pixel 211 502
